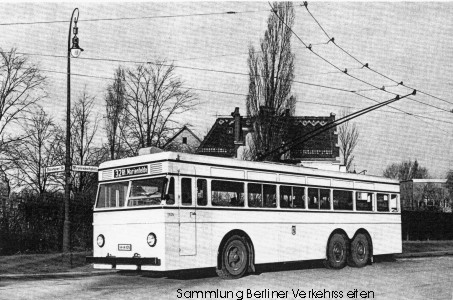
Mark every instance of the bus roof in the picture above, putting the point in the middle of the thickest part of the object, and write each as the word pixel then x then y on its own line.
pixel 236 163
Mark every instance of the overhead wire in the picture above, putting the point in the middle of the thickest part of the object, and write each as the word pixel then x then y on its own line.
pixel 203 69
pixel 134 18
pixel 345 72
pixel 244 95
pixel 410 114
pixel 305 4
pixel 186 67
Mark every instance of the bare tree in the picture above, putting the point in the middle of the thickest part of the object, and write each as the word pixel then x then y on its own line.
pixel 21 85
pixel 115 105
pixel 348 137
pixel 271 71
pixel 5 198
pixel 84 128
pixel 37 149
pixel 155 97
pixel 406 170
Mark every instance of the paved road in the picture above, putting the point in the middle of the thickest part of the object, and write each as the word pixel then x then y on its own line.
pixel 417 278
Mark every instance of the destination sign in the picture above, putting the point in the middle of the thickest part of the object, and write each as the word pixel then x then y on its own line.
pixel 139 170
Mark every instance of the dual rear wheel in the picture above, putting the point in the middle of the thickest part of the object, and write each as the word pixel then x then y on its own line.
pixel 234 256
pixel 340 252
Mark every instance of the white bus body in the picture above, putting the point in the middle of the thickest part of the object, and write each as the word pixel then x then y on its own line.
pixel 282 213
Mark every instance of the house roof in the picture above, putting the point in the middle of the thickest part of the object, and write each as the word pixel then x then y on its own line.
pixel 179 132
pixel 220 139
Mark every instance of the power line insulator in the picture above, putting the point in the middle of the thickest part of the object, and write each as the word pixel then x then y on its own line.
pixel 414 92
pixel 365 66
pixel 305 3
pixel 309 47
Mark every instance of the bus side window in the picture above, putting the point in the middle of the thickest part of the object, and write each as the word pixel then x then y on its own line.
pixel 299 197
pixel 269 195
pixel 342 200
pixel 394 203
pixel 255 197
pixel 325 199
pixel 364 201
pixel 227 193
pixel 285 196
pixel 202 189
pixel 313 198
pixel 186 191
pixel 382 202
pixel 171 192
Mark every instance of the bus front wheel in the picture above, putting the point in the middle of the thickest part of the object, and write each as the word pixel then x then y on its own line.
pixel 337 251
pixel 360 251
pixel 234 258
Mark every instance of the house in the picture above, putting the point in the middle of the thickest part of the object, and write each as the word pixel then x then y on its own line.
pixel 230 136
pixel 425 194
pixel 183 141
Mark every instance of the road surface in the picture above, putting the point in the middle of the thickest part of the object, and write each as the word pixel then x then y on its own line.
pixel 416 278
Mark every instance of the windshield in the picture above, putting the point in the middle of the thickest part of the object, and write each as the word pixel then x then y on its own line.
pixel 146 191
pixel 112 194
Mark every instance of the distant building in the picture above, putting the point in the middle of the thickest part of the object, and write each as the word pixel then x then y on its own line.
pixel 183 141
pixel 425 194
pixel 228 138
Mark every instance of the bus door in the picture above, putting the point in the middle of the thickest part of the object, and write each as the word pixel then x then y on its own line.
pixel 187 218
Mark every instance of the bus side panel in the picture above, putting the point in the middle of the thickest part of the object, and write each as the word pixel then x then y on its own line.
pixel 206 251
pixel 292 236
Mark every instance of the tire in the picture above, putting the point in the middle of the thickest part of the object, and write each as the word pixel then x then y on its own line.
pixel 337 251
pixel 360 253
pixel 234 258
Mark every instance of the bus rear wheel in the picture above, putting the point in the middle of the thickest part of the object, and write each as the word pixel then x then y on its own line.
pixel 360 251
pixel 234 258
pixel 337 251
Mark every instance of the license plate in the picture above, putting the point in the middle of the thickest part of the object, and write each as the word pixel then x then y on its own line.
pixel 124 247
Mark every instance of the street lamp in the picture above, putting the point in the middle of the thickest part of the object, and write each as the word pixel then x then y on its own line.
pixel 73 51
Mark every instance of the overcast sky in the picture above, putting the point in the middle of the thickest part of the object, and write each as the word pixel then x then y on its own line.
pixel 409 42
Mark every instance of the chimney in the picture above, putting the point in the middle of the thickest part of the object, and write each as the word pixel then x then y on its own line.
pixel 237 130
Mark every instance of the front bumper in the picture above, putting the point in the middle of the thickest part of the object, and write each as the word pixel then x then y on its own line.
pixel 113 260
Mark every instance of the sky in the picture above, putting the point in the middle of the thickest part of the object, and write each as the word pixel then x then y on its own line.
pixel 406 41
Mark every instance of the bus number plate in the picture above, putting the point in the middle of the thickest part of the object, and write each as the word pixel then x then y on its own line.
pixel 124 247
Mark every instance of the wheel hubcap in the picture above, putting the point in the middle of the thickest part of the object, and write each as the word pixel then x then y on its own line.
pixel 235 258
pixel 361 251
pixel 338 252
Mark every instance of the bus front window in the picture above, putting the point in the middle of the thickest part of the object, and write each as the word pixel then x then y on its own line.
pixel 112 195
pixel 146 191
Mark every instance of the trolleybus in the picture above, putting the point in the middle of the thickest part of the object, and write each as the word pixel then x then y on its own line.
pixel 171 211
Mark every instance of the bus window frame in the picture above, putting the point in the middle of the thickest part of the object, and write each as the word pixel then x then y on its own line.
pixel 244 191
pixel 191 191
pixel 373 201
pixel 196 191
pixel 352 198
pixel 292 186
pixel 388 202
pixel 110 182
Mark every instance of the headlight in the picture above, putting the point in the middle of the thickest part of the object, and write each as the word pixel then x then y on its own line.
pixel 151 239
pixel 101 240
